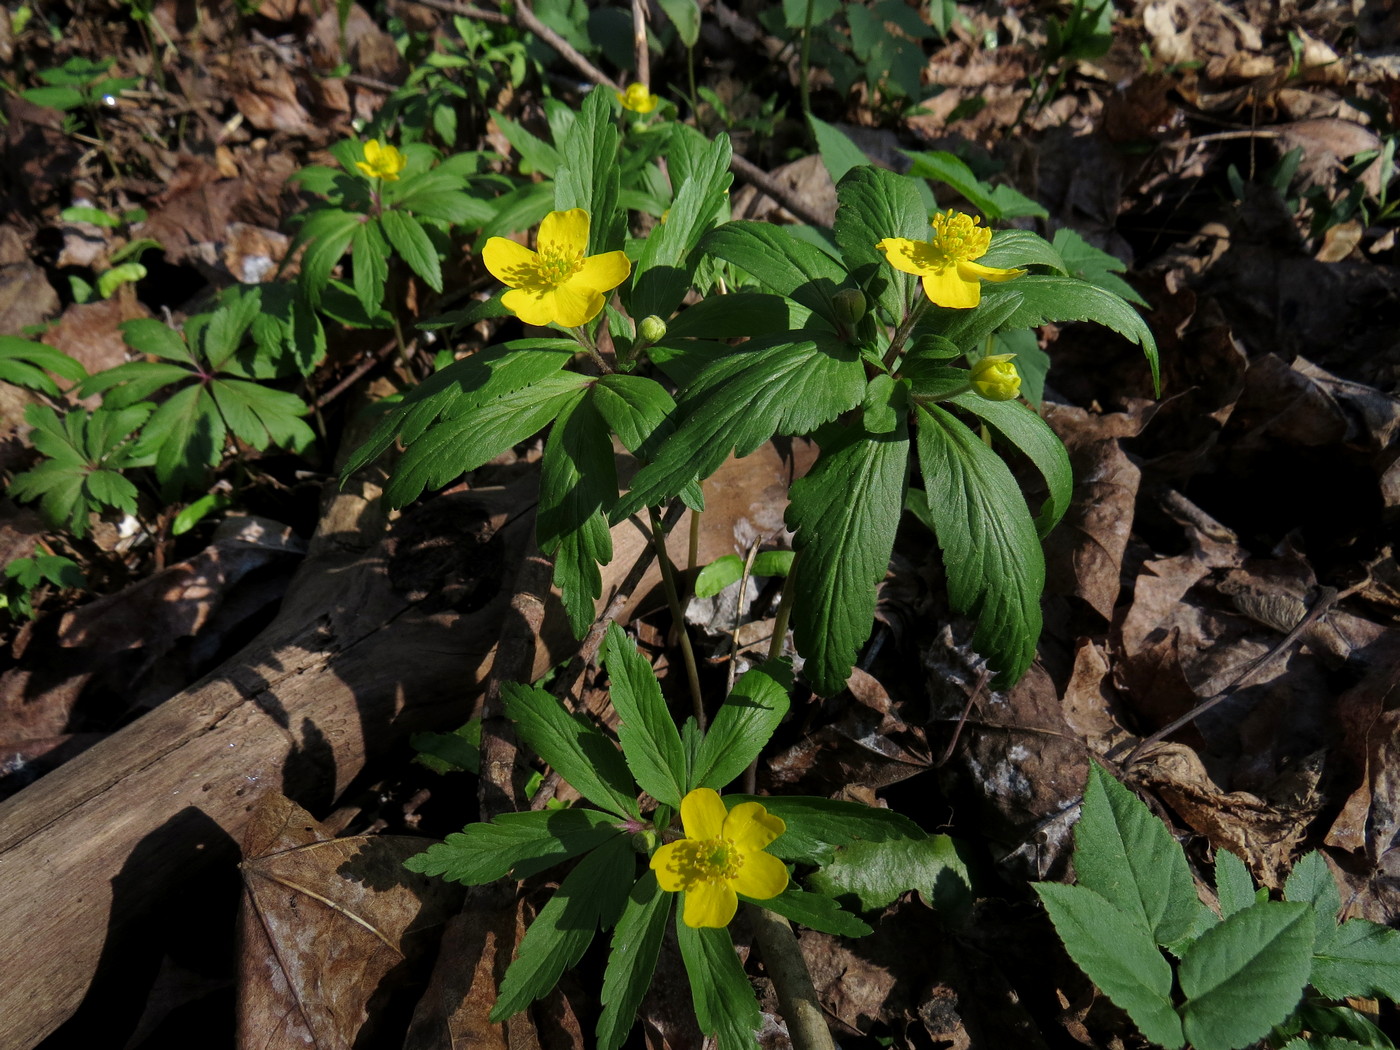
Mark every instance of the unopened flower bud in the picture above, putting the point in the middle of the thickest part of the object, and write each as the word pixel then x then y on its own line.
pixel 995 377
pixel 651 329
pixel 645 841
pixel 850 305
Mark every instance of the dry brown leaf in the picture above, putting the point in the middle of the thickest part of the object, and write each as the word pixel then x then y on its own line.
pixel 329 926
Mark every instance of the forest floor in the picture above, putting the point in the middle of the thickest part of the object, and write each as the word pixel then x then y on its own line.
pixel 1232 540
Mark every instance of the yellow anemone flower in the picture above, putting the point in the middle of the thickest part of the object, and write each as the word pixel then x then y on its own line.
pixel 995 377
pixel 637 98
pixel 945 263
pixel 381 162
pixel 556 283
pixel 720 857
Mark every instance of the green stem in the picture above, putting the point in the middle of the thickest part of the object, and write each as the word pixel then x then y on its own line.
pixel 784 613
pixel 901 334
pixel 586 341
pixel 805 61
pixel 673 599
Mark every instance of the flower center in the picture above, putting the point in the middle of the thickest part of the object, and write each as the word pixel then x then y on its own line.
pixel 958 237
pixel 706 860
pixel 555 265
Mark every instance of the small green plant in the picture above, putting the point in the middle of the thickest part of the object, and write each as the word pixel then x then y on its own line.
pixel 80 83
pixel 27 580
pixel 1185 974
pixel 26 363
pixel 123 266
pixel 731 849
pixel 1086 34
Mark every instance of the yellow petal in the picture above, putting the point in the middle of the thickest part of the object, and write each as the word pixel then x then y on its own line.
pixel 751 827
pixel 603 273
pixel 949 288
pixel 565 232
pixel 702 814
pixel 710 904
pixel 510 263
pixel 575 304
pixel 762 876
pixel 372 152
pixel 533 306
pixel 972 270
pixel 666 863
pixel 367 170
pixel 916 257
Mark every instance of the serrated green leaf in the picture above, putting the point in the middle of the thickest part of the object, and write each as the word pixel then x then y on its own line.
pixel 224 333
pixel 1127 856
pixel 1311 881
pixel 539 154
pixel 578 751
pixel 1233 886
pixel 967 330
pixel 1246 975
pixel 1047 298
pixel 1088 263
pixel 665 267
pixel 1118 955
pixel 414 246
pixel 844 514
pixel 578 481
pixel 370 253
pixel 742 726
pixel 724 1002
pixel 839 154
pixel 1020 248
pixel 454 446
pixel 996 570
pixel 736 315
pixel 815 911
pixel 651 744
pixel 785 265
pixel 636 944
pixel 636 408
pixel 260 416
pixel 135 381
pixel 515 844
pixel 326 234
pixel 743 400
pixel 1360 960
pixel 685 16
pixel 589 176
pixel 1335 1027
pixel 149 336
pixel 818 827
pixel 874 204
pixel 187 434
pixel 24 362
pixel 878 873
pixel 592 895
pixel 995 202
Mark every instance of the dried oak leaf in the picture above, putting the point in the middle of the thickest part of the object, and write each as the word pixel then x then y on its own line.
pixel 329 928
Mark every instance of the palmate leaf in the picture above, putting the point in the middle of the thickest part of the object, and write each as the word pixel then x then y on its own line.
pixel 326 235
pixel 414 245
pixel 739 402
pixel 724 1002
pixel 1361 959
pixel 260 416
pixel 515 844
pixel 636 944
pixel 995 566
pixel 874 204
pixel 578 482
pixel 1311 881
pixel 133 382
pixel 592 895
pixel 578 751
pixel 844 514
pixel 187 435
pixel 743 724
pixel 790 267
pixel 25 363
pixel 637 409
pixel 651 743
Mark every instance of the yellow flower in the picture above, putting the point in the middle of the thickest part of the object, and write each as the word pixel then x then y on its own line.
pixel 381 162
pixel 720 857
pixel 996 378
pixel 557 283
pixel 637 98
pixel 945 263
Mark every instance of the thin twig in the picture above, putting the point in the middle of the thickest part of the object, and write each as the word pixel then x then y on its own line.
pixel 761 180
pixel 639 43
pixel 962 719
pixel 527 20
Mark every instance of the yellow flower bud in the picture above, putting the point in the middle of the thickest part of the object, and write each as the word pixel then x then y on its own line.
pixel 381 161
pixel 995 378
pixel 637 98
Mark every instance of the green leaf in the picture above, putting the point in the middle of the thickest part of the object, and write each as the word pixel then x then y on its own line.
pixel 839 153
pixel 1020 248
pixel 578 751
pixel 1361 960
pixel 736 315
pixel 740 402
pixel 1126 855
pixel 22 359
pixel 187 434
pixel 515 844
pixel 539 154
pixel 685 16
pixel 814 911
pixel 637 409
pixel 592 895
pixel 62 98
pixel 1046 298
pixel 413 244
pixel 326 234
pixel 992 555
pixel 1246 975
pixel 785 265
pixel 636 944
pixel 1032 435
pixel 818 827
pixel 589 176
pixel 878 873
pixel 1311 882
pixel 724 1002
pixel 718 575
pixel 651 744
pixel 667 263
pixel 773 563
pixel 1088 263
pixel 456 752
pixel 223 335
pixel 995 202
pixel 844 514
pixel 1118 955
pixel 371 270
pixel 578 480
pixel 149 336
pixel 1233 886
pixel 875 204
pixel 742 726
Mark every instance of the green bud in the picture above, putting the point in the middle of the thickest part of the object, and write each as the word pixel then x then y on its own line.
pixel 645 841
pixel 652 329
pixel 850 305
pixel 995 378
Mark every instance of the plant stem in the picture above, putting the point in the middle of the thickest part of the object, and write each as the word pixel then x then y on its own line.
pixel 797 997
pixel 805 62
pixel 784 614
pixel 673 599
pixel 901 334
